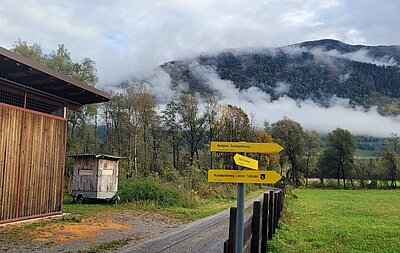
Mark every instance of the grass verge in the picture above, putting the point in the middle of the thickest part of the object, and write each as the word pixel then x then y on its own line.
pixel 185 214
pixel 339 221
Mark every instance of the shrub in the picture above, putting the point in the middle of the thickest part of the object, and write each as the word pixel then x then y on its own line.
pixel 149 189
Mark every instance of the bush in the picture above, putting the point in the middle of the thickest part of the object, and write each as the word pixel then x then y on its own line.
pixel 149 189
pixel 170 174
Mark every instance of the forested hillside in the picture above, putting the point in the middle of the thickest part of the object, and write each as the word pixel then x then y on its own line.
pixel 315 70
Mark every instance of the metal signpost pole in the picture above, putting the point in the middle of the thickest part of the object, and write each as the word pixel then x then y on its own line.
pixel 240 216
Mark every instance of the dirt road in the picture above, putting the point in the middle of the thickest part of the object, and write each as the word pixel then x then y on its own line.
pixel 206 235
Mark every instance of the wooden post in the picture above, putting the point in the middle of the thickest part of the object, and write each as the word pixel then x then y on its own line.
pixel 275 213
pixel 264 226
pixel 280 204
pixel 226 246
pixel 271 214
pixel 232 230
pixel 255 227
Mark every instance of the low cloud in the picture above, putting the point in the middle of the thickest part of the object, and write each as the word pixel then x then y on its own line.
pixel 362 55
pixel 308 113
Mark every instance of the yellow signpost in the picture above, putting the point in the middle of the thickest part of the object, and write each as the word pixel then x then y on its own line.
pixel 246 162
pixel 243 176
pixel 249 147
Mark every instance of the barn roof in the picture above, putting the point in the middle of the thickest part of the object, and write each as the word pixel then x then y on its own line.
pixel 100 156
pixel 20 70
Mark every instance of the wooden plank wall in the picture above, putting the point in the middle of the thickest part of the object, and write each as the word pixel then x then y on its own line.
pixel 108 176
pixel 85 182
pixel 10 135
pixel 40 163
pixel 43 161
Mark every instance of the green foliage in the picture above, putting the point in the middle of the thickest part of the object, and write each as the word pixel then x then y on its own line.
pixel 290 135
pixel 339 221
pixel 338 159
pixel 149 189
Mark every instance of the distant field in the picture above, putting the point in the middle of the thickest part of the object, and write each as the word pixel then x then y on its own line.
pixel 340 221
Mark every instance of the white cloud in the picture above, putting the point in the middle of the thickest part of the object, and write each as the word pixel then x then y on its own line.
pixel 308 113
pixel 128 37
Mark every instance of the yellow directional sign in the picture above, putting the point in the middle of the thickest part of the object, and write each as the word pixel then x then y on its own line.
pixel 246 162
pixel 245 147
pixel 243 176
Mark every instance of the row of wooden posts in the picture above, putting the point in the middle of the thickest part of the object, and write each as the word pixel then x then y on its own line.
pixel 260 227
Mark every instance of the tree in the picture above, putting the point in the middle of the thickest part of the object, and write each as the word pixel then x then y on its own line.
pixel 312 144
pixel 212 110
pixel 194 124
pixel 339 156
pixel 141 113
pixel 389 161
pixel 269 161
pixel 172 125
pixel 289 134
pixel 365 169
pixel 233 126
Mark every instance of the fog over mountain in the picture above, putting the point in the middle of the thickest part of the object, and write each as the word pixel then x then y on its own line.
pixel 322 84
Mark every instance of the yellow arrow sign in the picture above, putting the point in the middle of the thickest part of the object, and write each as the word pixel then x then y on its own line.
pixel 243 176
pixel 246 162
pixel 249 147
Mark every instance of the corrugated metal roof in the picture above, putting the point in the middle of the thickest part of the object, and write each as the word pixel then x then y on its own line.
pixel 24 71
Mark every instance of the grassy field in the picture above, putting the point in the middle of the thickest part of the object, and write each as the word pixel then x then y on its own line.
pixel 340 221
pixel 207 207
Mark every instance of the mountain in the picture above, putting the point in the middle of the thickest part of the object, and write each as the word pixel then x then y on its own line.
pixel 316 70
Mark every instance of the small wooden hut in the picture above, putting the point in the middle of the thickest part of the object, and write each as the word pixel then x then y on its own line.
pixel 95 176
pixel 34 103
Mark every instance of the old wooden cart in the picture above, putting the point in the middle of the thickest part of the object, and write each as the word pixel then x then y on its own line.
pixel 95 177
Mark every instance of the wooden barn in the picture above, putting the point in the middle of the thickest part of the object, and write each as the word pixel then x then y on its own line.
pixel 34 101
pixel 95 176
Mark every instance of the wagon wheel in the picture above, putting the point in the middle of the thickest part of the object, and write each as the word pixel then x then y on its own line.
pixel 80 199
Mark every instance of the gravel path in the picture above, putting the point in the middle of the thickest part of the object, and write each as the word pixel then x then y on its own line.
pixel 202 236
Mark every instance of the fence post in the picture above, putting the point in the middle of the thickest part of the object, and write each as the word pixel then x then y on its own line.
pixel 264 227
pixel 280 204
pixel 276 206
pixel 270 214
pixel 255 227
pixel 232 230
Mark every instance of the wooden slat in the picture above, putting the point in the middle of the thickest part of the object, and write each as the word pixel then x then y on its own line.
pixel 10 135
pixel 43 165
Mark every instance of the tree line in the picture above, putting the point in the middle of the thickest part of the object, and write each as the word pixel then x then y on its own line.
pixel 175 138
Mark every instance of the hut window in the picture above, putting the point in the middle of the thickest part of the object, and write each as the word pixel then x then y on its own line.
pixel 85 172
pixel 105 165
pixel 108 172
pixel 14 98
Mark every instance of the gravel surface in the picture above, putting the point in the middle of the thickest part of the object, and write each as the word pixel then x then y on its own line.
pixel 88 235
pixel 141 232
pixel 202 236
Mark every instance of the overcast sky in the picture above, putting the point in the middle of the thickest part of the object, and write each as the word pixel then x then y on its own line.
pixel 130 37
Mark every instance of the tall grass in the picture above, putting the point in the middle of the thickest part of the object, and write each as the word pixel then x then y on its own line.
pixel 150 190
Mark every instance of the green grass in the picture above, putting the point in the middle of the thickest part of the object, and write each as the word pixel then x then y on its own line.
pixel 207 207
pixel 340 221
